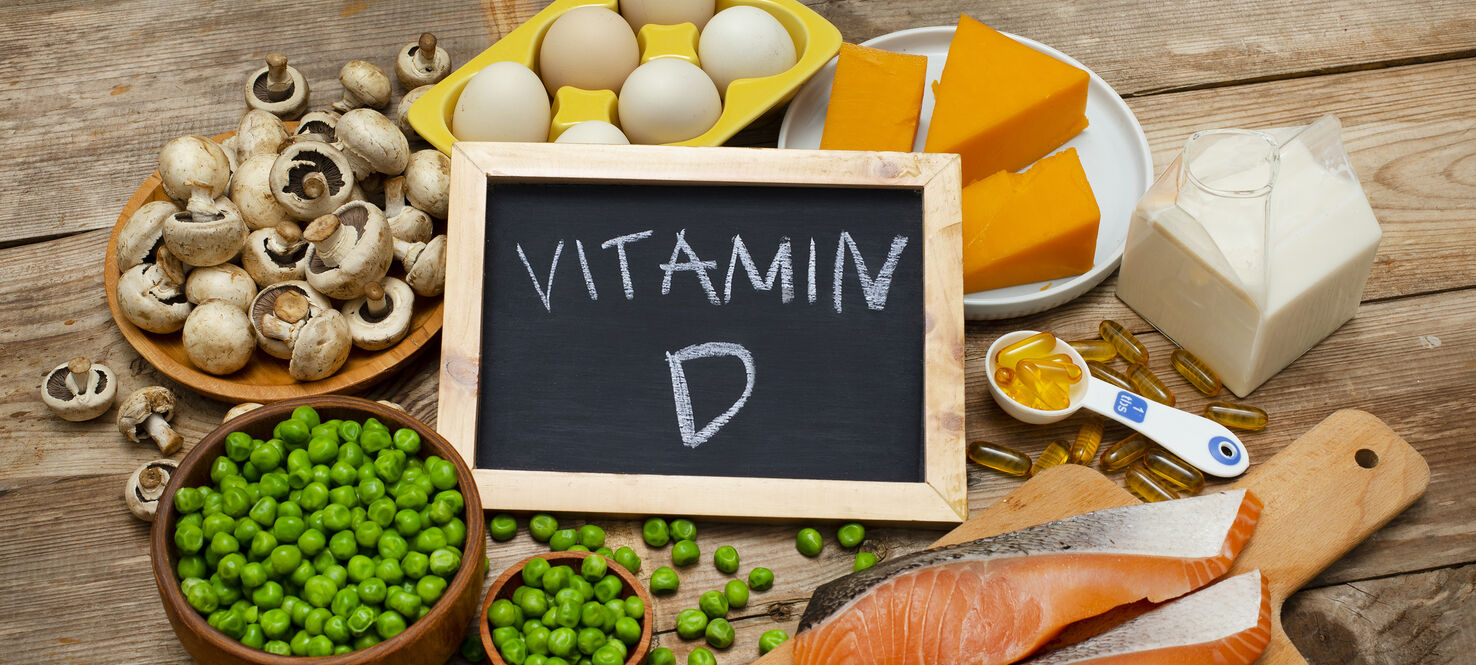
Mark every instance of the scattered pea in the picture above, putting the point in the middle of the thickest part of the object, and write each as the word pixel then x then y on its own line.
pixel 661 656
pixel 683 529
pixel 685 553
pixel 628 559
pixel 542 527
pixel 471 648
pixel 863 561
pixel 808 542
pixel 691 624
pixel 760 579
pixel 713 603
pixel 563 539
pixel 655 532
pixel 736 592
pixel 726 559
pixel 850 535
pixel 719 633
pixel 502 527
pixel 701 656
pixel 591 536
pixel 771 640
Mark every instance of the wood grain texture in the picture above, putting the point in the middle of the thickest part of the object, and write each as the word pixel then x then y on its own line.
pixel 1418 618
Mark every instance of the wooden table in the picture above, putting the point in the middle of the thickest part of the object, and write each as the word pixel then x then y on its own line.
pixel 92 90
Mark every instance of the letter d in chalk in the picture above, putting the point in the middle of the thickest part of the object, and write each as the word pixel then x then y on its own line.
pixel 691 436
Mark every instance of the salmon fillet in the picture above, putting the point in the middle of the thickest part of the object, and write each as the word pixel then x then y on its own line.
pixel 996 600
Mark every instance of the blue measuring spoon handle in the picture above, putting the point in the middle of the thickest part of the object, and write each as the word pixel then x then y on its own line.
pixel 1203 443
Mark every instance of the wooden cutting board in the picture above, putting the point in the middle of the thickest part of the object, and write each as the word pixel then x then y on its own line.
pixel 1324 494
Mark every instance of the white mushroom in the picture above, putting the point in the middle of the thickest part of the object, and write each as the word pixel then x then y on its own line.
pixel 350 248
pixel 422 63
pixel 143 233
pixel 194 170
pixel 277 88
pixel 381 318
pixel 402 112
pixel 279 310
pixel 206 236
pixel 425 264
pixel 274 255
pixel 364 84
pixel 146 486
pixel 428 182
pixel 371 143
pixel 260 133
pixel 317 126
pixel 227 282
pixel 392 405
pixel 407 223
pixel 239 410
pixel 311 179
pixel 321 347
pixel 217 337
pixel 79 390
pixel 251 191
pixel 152 296
pixel 145 414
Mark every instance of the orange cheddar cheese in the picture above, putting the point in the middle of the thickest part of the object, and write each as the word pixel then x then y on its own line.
pixel 875 100
pixel 1001 104
pixel 1029 227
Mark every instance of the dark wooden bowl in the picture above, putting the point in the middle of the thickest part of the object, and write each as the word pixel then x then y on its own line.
pixel 512 578
pixel 429 641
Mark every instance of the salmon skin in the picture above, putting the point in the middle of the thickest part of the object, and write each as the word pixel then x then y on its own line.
pixel 996 600
pixel 1225 624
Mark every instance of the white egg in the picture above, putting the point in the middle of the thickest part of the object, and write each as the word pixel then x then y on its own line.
pixel 503 102
pixel 666 12
pixel 744 42
pixel 668 100
pixel 589 47
pixel 593 131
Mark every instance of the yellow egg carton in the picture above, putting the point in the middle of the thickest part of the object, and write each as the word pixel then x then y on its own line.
pixel 816 41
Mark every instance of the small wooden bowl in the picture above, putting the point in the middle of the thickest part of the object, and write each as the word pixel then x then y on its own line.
pixel 264 379
pixel 429 641
pixel 512 578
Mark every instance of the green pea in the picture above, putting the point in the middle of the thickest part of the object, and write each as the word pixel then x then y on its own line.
pixel 430 588
pixel 683 529
pixel 455 531
pixel 373 590
pixel 606 655
pixel 345 601
pixel 390 465
pixel 501 613
pixel 568 595
pixel 374 440
pixel 416 565
pixel 534 571
pixel 327 429
pixel 266 457
pixel 353 455
pixel 224 543
pixel 408 603
pixel 863 561
pixel 233 625
pixel 472 649
pixel 627 630
pixel 192 566
pixel 502 527
pixel 188 500
pixel 359 568
pixel 407 523
pixel 585 589
pixel 307 415
pixel 542 527
pixel 691 623
pixel 685 553
pixel 302 573
pixel 661 656
pixel 590 640
pixel 299 643
pixel 360 620
pixel 568 615
pixel 561 641
pixel 343 545
pixel 635 608
pixel 349 430
pixel 604 552
pixel 312 542
pixel 608 588
pixel 314 496
pixel 591 536
pixel 628 559
pixel 713 603
pixel 444 561
pixel 245 530
pixel 188 539
pixel 719 634
pixel 664 581
pixel 655 532
pixel 534 603
pixel 322 450
pixel 736 592
pixel 576 547
pixel 235 502
pixel 593 567
pixel 562 540
pixel 268 596
pixel 276 624
pixel 390 571
pixel 202 597
pixel 614 611
pixel 382 511
pixel 430 539
pixel 238 446
pixel 336 516
pixel 342 474
pixel 412 497
pixel 221 468
pixel 277 648
pixel 536 659
pixel 393 546
pixel 701 656
pixel 808 542
pixel 503 634
pixel 367 533
pixel 771 640
pixel 442 475
pixel 556 578
pixel 407 441
pixel 760 579
pixel 850 534
pixel 274 485
pixel 726 559
pixel 592 615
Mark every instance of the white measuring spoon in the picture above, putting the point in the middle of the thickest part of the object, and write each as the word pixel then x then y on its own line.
pixel 1203 443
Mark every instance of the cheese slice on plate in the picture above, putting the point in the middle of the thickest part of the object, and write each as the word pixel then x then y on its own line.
pixel 875 100
pixel 1028 227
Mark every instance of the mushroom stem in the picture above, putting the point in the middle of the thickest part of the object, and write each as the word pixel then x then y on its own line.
pixel 284 238
pixel 314 185
pixel 394 196
pixel 80 370
pixel 200 207
pixel 374 299
pixel 407 252
pixel 332 238
pixel 277 78
pixel 163 435
pixel 290 306
pixel 426 55
pixel 151 478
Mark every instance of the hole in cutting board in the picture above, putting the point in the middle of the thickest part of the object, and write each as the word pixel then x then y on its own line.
pixel 1366 458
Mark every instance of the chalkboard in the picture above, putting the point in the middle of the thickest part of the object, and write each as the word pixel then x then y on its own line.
pixel 741 336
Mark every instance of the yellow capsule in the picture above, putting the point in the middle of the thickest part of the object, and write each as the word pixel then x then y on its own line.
pixel 1054 455
pixel 1119 455
pixel 1146 487
pixel 1003 376
pixel 1063 363
pixel 1095 349
pixel 1147 384
pixel 1126 344
pixel 1179 474
pixel 1034 346
pixel 1110 375
pixel 1050 394
pixel 1195 372
pixel 1084 449
pixel 1003 459
pixel 1239 416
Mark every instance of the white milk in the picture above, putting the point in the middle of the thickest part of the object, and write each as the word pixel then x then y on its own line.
pixel 1255 252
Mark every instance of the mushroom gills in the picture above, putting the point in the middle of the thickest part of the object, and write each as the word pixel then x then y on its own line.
pixel 63 385
pixel 307 163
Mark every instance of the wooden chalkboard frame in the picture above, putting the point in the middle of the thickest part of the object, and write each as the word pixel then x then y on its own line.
pixel 942 498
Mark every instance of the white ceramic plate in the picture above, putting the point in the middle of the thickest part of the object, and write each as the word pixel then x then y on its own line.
pixel 1114 153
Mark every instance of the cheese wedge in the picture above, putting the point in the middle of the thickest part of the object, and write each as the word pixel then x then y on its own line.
pixel 875 101
pixel 1001 104
pixel 1029 227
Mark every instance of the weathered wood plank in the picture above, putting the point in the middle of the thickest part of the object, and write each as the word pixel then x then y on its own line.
pixel 1417 618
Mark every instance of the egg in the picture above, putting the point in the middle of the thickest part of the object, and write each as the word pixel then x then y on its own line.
pixel 593 131
pixel 666 12
pixel 744 42
pixel 668 100
pixel 588 47
pixel 503 102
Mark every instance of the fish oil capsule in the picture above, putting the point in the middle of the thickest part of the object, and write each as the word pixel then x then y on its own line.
pixel 1147 384
pixel 1034 346
pixel 1126 343
pixel 1239 416
pixel 1110 375
pixel 1050 395
pixel 1055 454
pixel 1146 487
pixel 1063 363
pixel 1094 349
pixel 1003 376
pixel 1179 474
pixel 1003 459
pixel 1119 455
pixel 1084 448
pixel 1195 372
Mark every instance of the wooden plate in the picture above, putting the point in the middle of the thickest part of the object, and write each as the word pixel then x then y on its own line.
pixel 512 578
pixel 264 379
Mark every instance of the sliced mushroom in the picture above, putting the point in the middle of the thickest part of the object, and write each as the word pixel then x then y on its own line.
pixel 152 295
pixel 317 126
pixel 145 414
pixel 274 255
pixel 277 88
pixel 422 63
pixel 407 223
pixel 143 234
pixel 251 191
pixel 321 347
pixel 364 84
pixel 260 133
pixel 428 182
pixel 381 318
pixel 218 337
pixel 402 112
pixel 311 179
pixel 146 486
pixel 194 170
pixel 274 322
pixel 425 264
pixel 371 143
pixel 79 389
pixel 239 410
pixel 206 236
pixel 350 248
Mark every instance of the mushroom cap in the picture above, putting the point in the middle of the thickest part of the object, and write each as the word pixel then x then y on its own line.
pixel 239 410
pixel 373 332
pixel 412 225
pixel 218 337
pixel 143 233
pixel 364 84
pixel 142 304
pixel 264 304
pixel 427 274
pixel 139 405
pixel 321 348
pixel 260 133
pixel 372 143
pixel 286 104
pixel 402 112
pixel 428 182
pixel 251 191
pixel 299 160
pixel 227 281
pixel 146 486
pixel 192 162
pixel 69 401
pixel 317 126
pixel 369 258
pixel 265 264
pixel 413 69
pixel 209 238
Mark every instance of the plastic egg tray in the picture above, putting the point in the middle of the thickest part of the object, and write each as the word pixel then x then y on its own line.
pixel 816 40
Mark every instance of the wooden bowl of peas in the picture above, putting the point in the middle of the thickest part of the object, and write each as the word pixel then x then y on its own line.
pixel 441 625
pixel 507 585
